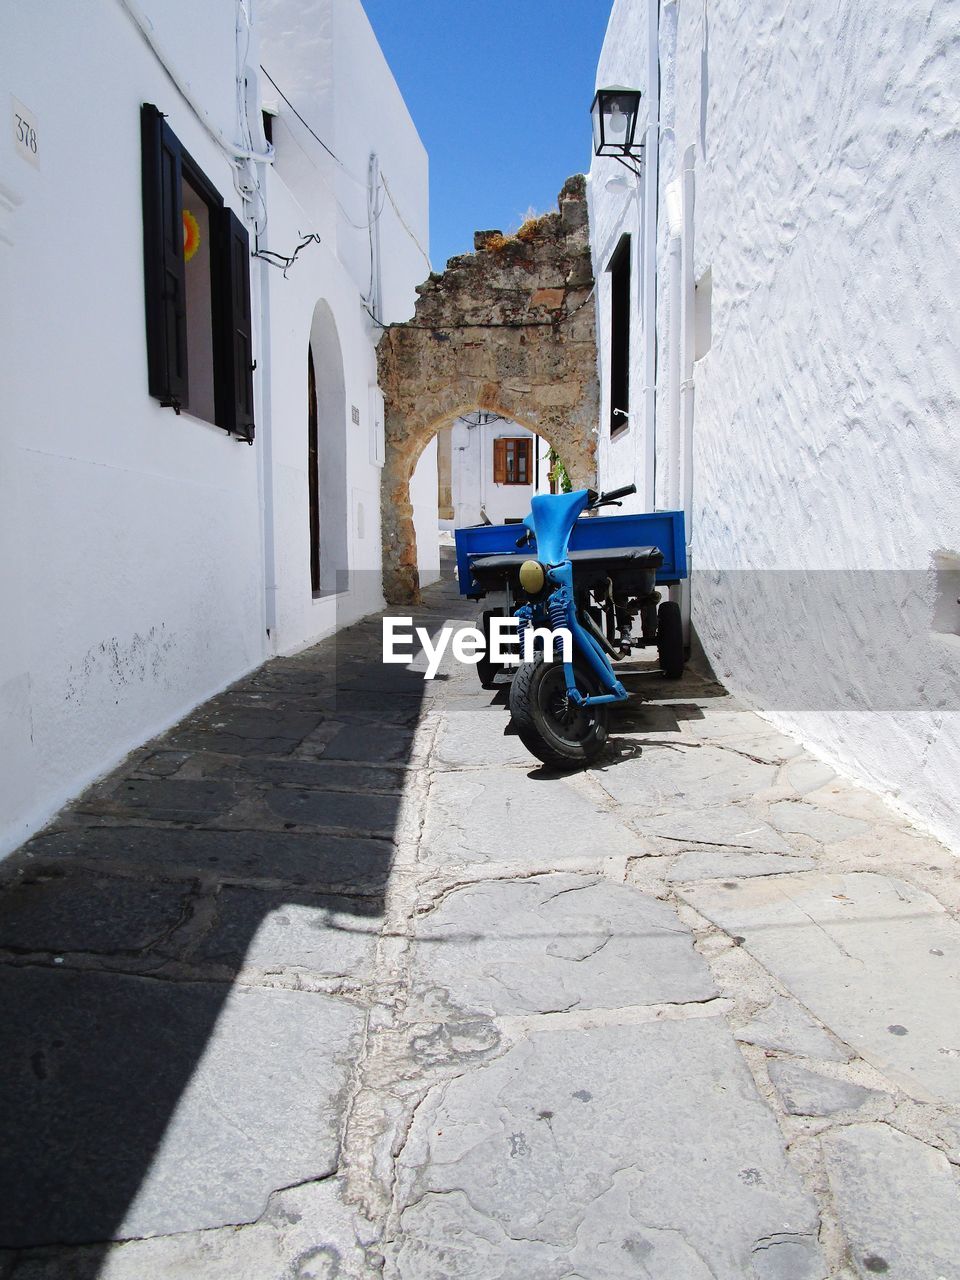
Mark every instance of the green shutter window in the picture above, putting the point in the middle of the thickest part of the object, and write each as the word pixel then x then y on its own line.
pixel 196 255
pixel 163 262
pixel 238 328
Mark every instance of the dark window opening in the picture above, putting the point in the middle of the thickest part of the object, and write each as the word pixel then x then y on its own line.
pixel 197 287
pixel 513 460
pixel 313 474
pixel 268 126
pixel 619 269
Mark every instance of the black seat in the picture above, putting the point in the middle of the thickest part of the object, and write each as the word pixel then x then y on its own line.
pixel 610 558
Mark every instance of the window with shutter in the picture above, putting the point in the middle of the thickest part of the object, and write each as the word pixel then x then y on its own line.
pixel 163 260
pixel 238 328
pixel 499 462
pixel 512 460
pixel 197 287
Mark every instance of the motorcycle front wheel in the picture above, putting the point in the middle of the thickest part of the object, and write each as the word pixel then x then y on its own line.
pixel 561 734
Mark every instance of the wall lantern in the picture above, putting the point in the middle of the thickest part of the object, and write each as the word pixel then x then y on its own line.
pixel 615 111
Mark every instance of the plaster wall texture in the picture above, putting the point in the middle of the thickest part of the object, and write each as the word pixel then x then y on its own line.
pixel 318 53
pixel 471 473
pixel 134 575
pixel 808 308
pixel 424 495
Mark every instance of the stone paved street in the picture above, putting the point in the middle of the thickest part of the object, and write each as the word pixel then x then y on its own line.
pixel 331 981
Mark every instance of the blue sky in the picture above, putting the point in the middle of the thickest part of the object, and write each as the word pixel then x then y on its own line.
pixel 500 92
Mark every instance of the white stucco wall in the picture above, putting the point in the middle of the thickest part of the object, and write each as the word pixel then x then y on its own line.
pixel 423 498
pixel 471 474
pixel 146 555
pixel 825 171
pixel 318 52
pixel 131 569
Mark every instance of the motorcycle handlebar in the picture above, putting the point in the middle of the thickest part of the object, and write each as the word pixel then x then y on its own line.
pixel 617 493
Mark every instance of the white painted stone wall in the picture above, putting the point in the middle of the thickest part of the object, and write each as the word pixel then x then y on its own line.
pixel 424 498
pixel 807 312
pixel 146 555
pixel 471 472
pixel 324 56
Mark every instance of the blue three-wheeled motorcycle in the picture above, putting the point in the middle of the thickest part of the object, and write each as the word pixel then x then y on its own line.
pixel 594 576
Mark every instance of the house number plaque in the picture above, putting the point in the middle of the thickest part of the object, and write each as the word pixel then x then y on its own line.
pixel 25 134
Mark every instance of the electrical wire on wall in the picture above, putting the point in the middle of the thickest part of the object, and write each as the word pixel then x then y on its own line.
pixel 246 175
pixel 246 178
pixel 403 223
pixel 375 203
pixel 286 260
pixel 484 418
pixel 375 212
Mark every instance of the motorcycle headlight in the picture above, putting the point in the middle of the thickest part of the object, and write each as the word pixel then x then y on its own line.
pixel 532 577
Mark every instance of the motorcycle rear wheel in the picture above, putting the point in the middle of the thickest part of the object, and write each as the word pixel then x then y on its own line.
pixel 559 733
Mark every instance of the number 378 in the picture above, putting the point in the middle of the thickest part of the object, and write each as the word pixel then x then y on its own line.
pixel 26 135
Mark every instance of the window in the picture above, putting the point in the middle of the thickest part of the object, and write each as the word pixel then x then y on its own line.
pixel 619 269
pixel 197 287
pixel 512 461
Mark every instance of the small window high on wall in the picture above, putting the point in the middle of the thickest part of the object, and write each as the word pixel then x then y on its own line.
pixel 513 460
pixel 196 256
pixel 619 269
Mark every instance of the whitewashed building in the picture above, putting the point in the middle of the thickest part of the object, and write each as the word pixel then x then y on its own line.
pixel 788 260
pixel 489 466
pixel 202 226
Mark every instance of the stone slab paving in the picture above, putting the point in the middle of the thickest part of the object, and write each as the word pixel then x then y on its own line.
pixel 622 1150
pixel 554 943
pixel 785 1027
pixel 705 864
pixel 501 815
pixel 219 1147
pixel 333 980
pixel 723 827
pixel 877 960
pixel 809 1093
pixel 898 1201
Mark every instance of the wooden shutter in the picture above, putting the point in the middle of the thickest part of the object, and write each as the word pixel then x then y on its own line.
pixel 523 461
pixel 236 327
pixel 165 285
pixel 499 462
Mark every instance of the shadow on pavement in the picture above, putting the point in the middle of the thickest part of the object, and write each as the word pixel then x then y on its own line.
pixel 144 1090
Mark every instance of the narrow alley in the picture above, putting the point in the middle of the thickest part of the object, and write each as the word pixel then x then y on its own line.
pixel 330 980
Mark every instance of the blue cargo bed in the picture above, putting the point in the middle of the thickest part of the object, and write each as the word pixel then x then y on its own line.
pixel 661 529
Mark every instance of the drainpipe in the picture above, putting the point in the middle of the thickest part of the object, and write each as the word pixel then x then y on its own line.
pixel 651 178
pixel 482 463
pixel 148 31
pixel 688 349
pixel 265 436
pixel 373 230
pixel 673 201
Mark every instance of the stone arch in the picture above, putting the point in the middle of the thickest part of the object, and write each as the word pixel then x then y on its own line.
pixel 326 356
pixel 509 328
pixel 420 440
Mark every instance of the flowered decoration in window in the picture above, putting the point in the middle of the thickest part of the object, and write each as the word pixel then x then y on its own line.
pixel 191 235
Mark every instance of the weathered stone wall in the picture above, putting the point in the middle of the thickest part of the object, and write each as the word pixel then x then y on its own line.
pixel 508 328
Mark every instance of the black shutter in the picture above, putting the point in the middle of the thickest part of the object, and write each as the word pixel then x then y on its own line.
pixel 237 327
pixel 165 285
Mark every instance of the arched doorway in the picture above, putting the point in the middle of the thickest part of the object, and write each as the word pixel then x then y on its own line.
pixel 326 455
pixel 509 329
pixel 488 470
